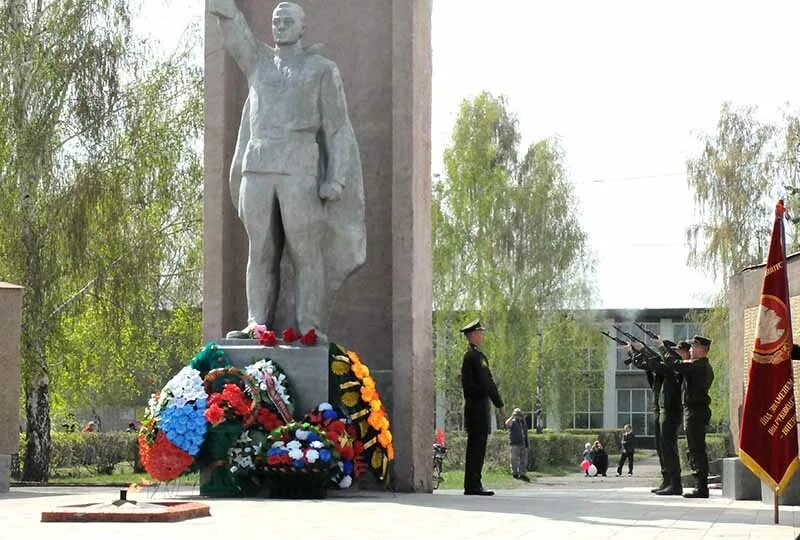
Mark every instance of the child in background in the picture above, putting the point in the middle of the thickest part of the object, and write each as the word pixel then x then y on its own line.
pixel 628 444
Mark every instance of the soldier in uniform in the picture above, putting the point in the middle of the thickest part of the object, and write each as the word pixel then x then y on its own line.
pixel 639 357
pixel 697 378
pixel 479 388
pixel 668 400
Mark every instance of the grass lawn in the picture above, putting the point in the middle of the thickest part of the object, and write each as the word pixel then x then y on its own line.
pixel 499 478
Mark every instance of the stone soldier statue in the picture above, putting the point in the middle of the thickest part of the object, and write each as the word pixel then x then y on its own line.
pixel 697 378
pixel 479 388
pixel 296 175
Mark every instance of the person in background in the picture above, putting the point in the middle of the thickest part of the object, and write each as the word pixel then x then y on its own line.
pixel 90 427
pixel 628 446
pixel 599 458
pixel 518 440
pixel 131 428
pixel 587 455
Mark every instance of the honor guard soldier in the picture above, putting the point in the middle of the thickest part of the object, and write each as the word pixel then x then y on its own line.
pixel 479 388
pixel 697 378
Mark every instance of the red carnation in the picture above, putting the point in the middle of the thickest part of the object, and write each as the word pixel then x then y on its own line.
pixel 289 335
pixel 310 338
pixel 347 453
pixel 268 339
pixel 163 460
pixel 215 414
pixel 358 447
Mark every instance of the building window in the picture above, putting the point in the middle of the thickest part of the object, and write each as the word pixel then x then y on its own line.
pixel 587 408
pixel 631 329
pixel 685 331
pixel 633 407
pixel 587 399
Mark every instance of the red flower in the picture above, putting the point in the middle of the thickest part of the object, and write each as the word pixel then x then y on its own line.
pixel 268 419
pixel 332 436
pixel 268 339
pixel 215 414
pixel 163 460
pixel 358 447
pixel 347 453
pixel 310 338
pixel 289 335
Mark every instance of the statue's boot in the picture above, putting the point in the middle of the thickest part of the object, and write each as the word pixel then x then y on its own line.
pixel 244 333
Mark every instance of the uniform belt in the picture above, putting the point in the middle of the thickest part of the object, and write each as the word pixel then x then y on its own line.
pixel 290 136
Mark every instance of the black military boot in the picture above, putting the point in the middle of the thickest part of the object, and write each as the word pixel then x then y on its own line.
pixel 673 488
pixel 700 492
pixel 664 484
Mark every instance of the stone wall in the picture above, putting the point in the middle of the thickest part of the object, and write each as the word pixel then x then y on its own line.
pixel 744 293
pixel 383 311
pixel 10 330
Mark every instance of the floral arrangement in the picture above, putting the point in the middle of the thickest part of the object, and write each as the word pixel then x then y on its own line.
pixel 174 426
pixel 246 456
pixel 300 447
pixel 268 338
pixel 359 397
pixel 274 386
pixel 345 442
pixel 238 425
pixel 233 395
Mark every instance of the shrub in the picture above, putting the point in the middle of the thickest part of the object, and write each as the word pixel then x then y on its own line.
pixel 99 451
pixel 716 448
pixel 549 449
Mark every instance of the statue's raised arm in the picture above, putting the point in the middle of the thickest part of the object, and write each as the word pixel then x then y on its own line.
pixel 237 37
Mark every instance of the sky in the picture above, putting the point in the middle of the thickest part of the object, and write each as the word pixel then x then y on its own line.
pixel 628 88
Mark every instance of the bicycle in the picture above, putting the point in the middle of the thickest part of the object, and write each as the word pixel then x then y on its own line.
pixel 439 451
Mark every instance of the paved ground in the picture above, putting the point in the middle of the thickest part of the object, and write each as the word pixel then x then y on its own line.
pixel 564 507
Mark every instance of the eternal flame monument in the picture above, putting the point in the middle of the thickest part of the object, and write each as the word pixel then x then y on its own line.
pixel 317 207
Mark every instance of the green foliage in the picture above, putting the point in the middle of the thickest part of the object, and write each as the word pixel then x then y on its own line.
pixel 734 180
pixel 506 246
pixel 546 450
pixel 714 322
pixel 716 448
pixel 96 452
pixel 101 208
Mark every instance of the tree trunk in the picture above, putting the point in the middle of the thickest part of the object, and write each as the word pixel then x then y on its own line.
pixel 37 448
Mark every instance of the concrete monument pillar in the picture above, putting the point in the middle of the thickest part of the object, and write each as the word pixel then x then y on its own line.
pixel 383 311
pixel 10 329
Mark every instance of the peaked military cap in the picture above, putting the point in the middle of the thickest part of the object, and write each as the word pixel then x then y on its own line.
pixel 668 343
pixel 702 341
pixel 684 345
pixel 472 326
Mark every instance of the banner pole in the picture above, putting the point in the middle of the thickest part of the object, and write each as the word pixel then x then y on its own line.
pixel 775 502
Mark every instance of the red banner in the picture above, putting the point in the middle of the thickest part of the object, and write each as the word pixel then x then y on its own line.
pixel 768 438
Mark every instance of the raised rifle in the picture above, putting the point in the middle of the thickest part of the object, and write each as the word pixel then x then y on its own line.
pixel 622 342
pixel 647 332
pixel 637 340
pixel 619 341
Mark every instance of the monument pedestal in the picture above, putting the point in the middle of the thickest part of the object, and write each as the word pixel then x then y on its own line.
pixel 738 482
pixel 5 472
pixel 790 496
pixel 306 368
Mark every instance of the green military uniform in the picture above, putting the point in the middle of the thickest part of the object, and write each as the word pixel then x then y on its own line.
pixel 669 400
pixel 479 388
pixel 655 379
pixel 697 378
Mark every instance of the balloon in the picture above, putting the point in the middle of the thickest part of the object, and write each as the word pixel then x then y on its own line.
pixel 585 465
pixel 592 470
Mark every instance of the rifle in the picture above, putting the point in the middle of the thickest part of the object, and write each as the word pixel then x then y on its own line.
pixel 624 343
pixel 616 339
pixel 637 340
pixel 647 332
pixel 670 355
